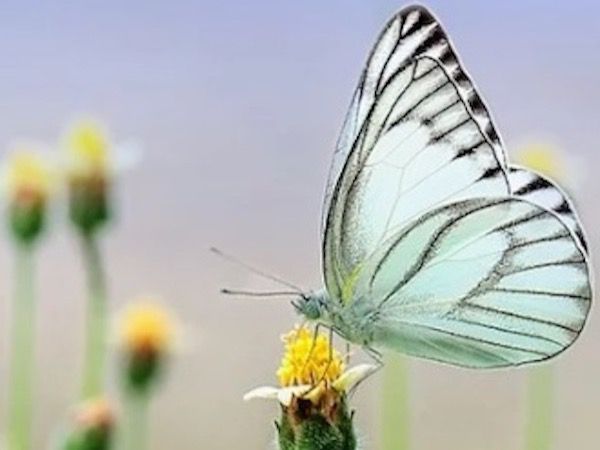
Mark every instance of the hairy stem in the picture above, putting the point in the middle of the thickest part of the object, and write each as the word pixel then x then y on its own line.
pixel 20 401
pixel 395 404
pixel 96 325
pixel 540 401
pixel 136 421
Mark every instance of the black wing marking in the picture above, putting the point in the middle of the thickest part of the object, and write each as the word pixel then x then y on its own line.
pixel 534 187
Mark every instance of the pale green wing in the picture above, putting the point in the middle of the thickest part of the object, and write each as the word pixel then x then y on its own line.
pixel 417 136
pixel 410 34
pixel 478 283
pixel 421 148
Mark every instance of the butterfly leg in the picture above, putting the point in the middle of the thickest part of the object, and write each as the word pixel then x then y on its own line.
pixel 377 358
pixel 348 350
pixel 375 355
pixel 313 345
pixel 329 361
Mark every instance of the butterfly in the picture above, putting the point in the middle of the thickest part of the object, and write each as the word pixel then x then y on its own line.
pixel 433 243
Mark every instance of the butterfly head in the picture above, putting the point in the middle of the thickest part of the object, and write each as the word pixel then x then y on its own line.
pixel 313 306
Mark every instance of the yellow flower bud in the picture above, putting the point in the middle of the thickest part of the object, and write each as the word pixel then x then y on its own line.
pixel 146 338
pixel 28 186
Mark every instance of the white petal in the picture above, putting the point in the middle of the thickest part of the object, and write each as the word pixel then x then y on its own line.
pixel 127 155
pixel 267 392
pixel 286 394
pixel 353 376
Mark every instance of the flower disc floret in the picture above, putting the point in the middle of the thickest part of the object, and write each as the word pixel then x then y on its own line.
pixel 308 359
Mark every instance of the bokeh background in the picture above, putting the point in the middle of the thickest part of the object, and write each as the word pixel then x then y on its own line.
pixel 238 105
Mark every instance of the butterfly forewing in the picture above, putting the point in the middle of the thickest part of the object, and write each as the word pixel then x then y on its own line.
pixel 417 150
pixel 410 34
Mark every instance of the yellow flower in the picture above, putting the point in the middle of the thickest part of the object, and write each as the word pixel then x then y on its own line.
pixel 313 393
pixel 310 369
pixel 92 163
pixel 544 159
pixel 308 360
pixel 147 327
pixel 146 337
pixel 88 150
pixel 28 177
pixel 27 183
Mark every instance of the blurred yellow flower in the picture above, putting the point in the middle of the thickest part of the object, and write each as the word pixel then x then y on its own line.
pixel 92 427
pixel 88 150
pixel 27 184
pixel 94 413
pixel 147 327
pixel 544 159
pixel 146 339
pixel 308 360
pixel 28 177
pixel 92 163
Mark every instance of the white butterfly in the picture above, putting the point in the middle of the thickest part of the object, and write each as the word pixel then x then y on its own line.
pixel 433 244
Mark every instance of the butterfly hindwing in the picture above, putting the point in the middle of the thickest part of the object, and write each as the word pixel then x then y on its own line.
pixel 499 282
pixel 534 187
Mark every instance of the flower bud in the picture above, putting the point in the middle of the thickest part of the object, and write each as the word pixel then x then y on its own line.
pixel 325 425
pixel 28 189
pixel 92 427
pixel 146 337
pixel 89 176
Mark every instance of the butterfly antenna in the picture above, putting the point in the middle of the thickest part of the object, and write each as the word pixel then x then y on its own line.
pixel 234 260
pixel 258 294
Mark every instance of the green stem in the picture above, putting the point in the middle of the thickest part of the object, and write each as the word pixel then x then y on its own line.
pixel 96 326
pixel 395 404
pixel 136 421
pixel 539 408
pixel 20 401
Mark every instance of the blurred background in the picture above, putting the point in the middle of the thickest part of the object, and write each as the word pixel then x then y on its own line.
pixel 238 105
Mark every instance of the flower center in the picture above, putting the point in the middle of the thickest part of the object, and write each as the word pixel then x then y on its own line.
pixel 308 359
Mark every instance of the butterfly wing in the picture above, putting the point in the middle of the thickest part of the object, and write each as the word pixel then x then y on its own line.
pixel 479 283
pixel 417 136
pixel 539 190
pixel 412 33
pixel 429 233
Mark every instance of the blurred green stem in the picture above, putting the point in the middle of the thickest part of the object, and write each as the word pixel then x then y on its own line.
pixel 540 403
pixel 96 334
pixel 22 352
pixel 136 420
pixel 395 404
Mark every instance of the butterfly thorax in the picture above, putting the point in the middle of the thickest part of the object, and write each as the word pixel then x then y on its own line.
pixel 354 321
pixel 350 321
